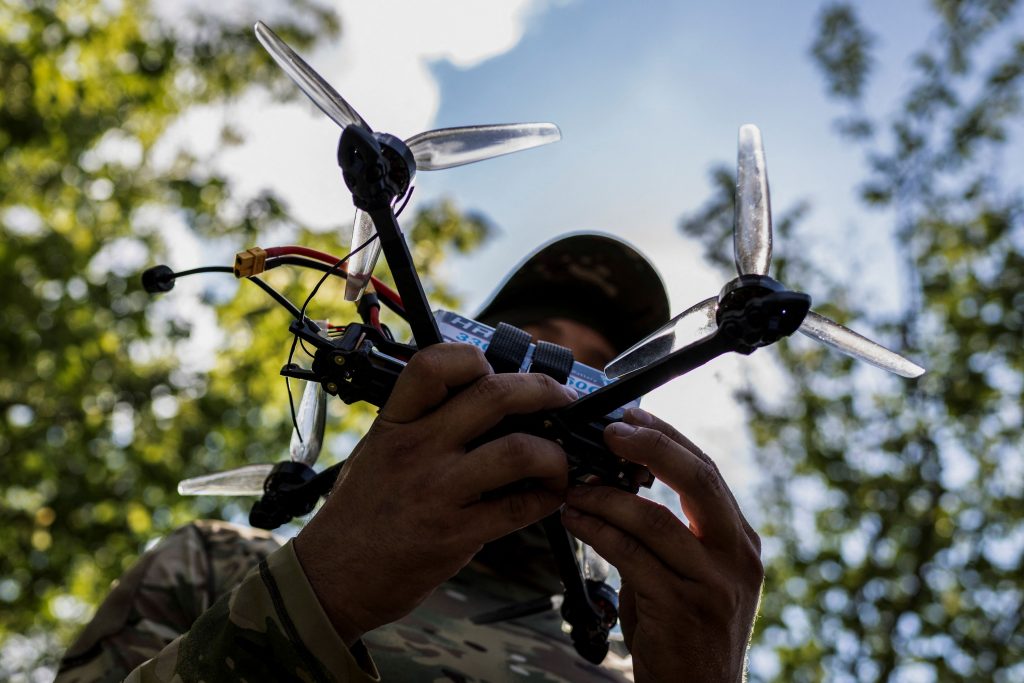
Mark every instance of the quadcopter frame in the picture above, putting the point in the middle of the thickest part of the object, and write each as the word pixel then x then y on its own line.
pixel 363 364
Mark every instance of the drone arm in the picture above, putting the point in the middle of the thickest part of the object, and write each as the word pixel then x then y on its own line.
pixel 396 253
pixel 634 384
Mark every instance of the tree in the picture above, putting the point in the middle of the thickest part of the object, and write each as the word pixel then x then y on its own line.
pixel 103 405
pixel 894 528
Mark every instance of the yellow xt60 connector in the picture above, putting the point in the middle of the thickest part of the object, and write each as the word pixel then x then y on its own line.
pixel 250 262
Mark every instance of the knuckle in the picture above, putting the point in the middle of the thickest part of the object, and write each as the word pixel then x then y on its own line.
pixel 472 355
pixel 492 388
pixel 517 446
pixel 628 546
pixel 708 478
pixel 661 441
pixel 426 363
pixel 474 352
pixel 517 509
pixel 599 495
pixel 659 519
pixel 547 384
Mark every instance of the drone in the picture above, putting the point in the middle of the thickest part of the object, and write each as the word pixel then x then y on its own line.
pixel 361 361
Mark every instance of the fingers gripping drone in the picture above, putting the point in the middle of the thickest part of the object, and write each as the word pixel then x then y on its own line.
pixel 362 361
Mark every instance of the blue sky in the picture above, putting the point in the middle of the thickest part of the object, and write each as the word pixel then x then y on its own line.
pixel 649 96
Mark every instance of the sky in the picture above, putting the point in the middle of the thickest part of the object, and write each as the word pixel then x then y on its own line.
pixel 649 96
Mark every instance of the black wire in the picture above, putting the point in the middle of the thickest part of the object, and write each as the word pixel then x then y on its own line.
pixel 304 262
pixel 408 196
pixel 288 386
pixel 334 269
pixel 304 348
pixel 278 297
pixel 205 269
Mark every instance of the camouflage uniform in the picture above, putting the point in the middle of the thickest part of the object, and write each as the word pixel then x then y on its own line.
pixel 216 601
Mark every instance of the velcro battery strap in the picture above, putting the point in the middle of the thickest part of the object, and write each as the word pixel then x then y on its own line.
pixel 508 348
pixel 552 360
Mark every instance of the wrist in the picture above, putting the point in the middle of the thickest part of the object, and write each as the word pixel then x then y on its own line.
pixel 321 570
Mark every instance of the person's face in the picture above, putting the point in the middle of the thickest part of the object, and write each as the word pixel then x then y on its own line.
pixel 587 344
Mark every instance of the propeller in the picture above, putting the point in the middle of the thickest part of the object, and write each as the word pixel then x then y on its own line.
pixel 752 245
pixel 432 150
pixel 241 481
pixel 247 480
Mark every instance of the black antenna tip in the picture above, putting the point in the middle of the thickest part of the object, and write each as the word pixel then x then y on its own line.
pixel 158 279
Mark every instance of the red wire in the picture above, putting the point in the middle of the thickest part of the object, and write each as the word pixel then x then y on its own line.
pixel 296 250
pixel 375 318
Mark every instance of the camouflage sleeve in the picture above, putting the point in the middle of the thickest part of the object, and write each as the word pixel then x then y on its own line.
pixel 269 627
pixel 161 596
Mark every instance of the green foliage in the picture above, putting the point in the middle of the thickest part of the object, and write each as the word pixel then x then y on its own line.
pixel 894 532
pixel 843 50
pixel 104 402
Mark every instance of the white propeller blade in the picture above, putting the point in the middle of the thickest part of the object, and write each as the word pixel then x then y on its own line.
pixel 309 81
pixel 443 148
pixel 312 419
pixel 752 236
pixel 242 481
pixel 852 344
pixel 360 266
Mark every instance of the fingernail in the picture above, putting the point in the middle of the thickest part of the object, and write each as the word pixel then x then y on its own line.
pixel 571 513
pixel 570 392
pixel 640 417
pixel 621 429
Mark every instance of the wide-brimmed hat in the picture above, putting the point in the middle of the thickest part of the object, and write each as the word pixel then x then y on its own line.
pixel 595 279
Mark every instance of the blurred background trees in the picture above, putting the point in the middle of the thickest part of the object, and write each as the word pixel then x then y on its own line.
pixel 107 399
pixel 892 511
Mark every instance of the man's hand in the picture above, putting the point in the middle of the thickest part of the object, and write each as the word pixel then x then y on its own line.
pixel 408 510
pixel 689 593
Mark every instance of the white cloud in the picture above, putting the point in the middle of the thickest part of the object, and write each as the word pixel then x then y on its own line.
pixel 383 55
pixel 381 65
